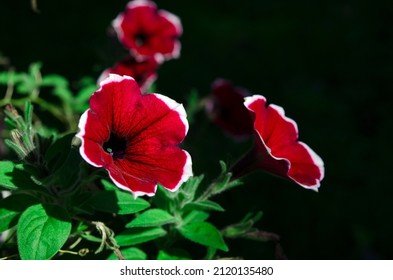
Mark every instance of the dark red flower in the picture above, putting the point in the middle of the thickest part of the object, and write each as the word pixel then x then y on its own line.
pixel 135 137
pixel 144 72
pixel 148 32
pixel 277 149
pixel 226 109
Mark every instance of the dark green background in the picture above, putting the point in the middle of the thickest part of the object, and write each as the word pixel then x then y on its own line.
pixel 328 63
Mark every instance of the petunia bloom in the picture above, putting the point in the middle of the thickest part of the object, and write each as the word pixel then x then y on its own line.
pixel 144 72
pixel 148 32
pixel 277 149
pixel 226 109
pixel 135 137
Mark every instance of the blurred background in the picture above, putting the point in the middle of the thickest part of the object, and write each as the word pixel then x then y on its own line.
pixel 328 63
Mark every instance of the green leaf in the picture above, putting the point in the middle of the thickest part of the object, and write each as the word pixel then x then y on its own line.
pixel 58 151
pixel 81 101
pixel 26 84
pixel 139 235
pixel 54 80
pixel 205 234
pixel 11 208
pixel 28 113
pixel 34 69
pixel 150 218
pixel 195 216
pixel 173 255
pixel 10 77
pixel 244 226
pixel 14 176
pixel 119 202
pixel 189 188
pixel 130 253
pixel 42 231
pixel 63 93
pixel 6 178
pixel 84 94
pixel 91 238
pixel 206 205
pixel 68 173
pixel 109 186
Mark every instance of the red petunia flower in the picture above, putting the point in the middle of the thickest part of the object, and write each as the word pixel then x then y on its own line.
pixel 135 137
pixel 226 109
pixel 144 72
pixel 277 149
pixel 148 32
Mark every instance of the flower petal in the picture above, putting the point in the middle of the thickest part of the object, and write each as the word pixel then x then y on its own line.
pixel 93 134
pixel 277 142
pixel 144 72
pixel 159 30
pixel 152 152
pixel 226 109
pixel 151 126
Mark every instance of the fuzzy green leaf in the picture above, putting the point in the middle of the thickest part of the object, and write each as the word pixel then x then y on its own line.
pixel 206 205
pixel 188 190
pixel 244 226
pixel 118 202
pixel 205 234
pixel 139 235
pixel 151 218
pixel 195 216
pixel 130 253
pixel 11 208
pixel 42 231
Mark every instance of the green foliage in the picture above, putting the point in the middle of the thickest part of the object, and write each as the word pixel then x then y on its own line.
pixel 152 218
pixel 207 205
pixel 173 255
pixel 59 205
pixel 12 207
pixel 139 235
pixel 6 179
pixel 42 231
pixel 119 202
pixel 17 176
pixel 195 216
pixel 243 227
pixel 131 253
pixel 204 233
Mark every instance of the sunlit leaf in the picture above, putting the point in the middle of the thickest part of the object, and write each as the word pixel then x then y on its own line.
pixel 139 235
pixel 42 231
pixel 150 218
pixel 205 234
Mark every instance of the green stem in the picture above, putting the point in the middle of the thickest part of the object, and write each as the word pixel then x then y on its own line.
pixel 68 252
pixel 39 101
pixel 10 89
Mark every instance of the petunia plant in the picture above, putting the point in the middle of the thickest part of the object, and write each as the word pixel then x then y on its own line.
pixel 102 168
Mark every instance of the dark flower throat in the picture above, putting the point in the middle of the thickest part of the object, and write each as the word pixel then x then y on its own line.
pixel 116 146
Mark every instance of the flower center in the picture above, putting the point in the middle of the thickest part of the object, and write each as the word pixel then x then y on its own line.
pixel 140 39
pixel 116 146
